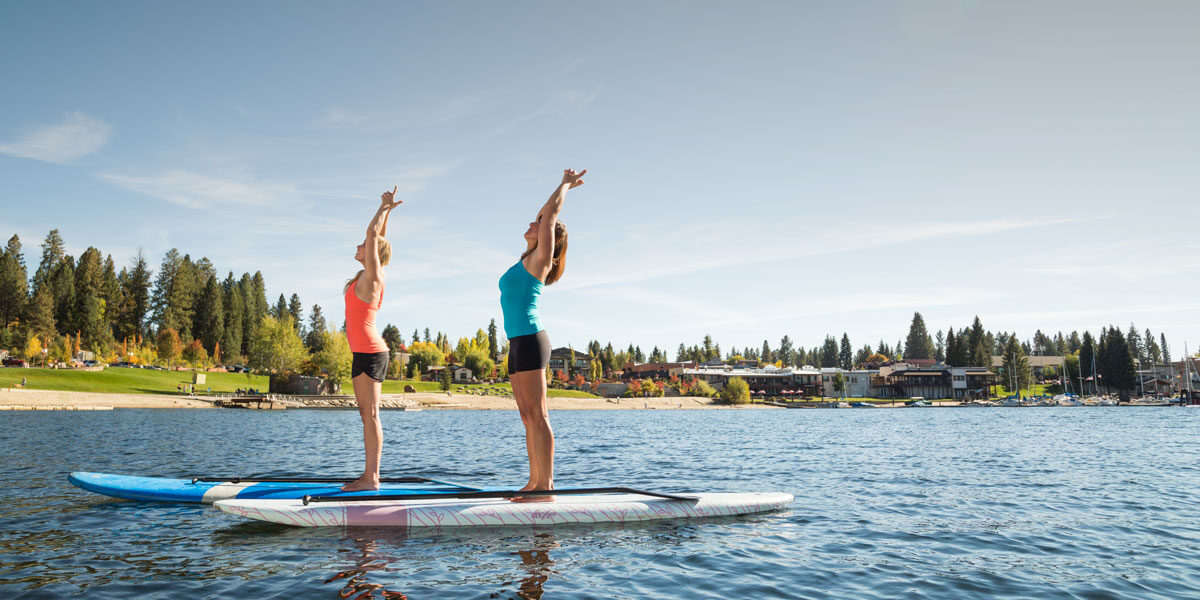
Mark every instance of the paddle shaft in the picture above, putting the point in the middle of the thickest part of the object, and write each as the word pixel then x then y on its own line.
pixel 501 494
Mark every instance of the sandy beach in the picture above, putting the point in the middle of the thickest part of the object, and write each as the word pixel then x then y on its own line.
pixel 433 401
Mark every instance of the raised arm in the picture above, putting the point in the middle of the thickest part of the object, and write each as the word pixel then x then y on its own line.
pixel 547 217
pixel 368 285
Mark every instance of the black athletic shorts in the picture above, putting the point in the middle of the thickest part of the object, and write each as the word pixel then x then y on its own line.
pixel 374 365
pixel 528 352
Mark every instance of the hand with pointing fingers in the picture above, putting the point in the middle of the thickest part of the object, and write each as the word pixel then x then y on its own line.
pixel 573 178
pixel 386 199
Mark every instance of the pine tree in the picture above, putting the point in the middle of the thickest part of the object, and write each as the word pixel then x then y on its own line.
pixel 767 357
pixel 1134 341
pixel 296 309
pixel 281 308
pixel 1016 364
pixel 493 347
pixel 1087 357
pixel 39 314
pixel 940 346
pixel 785 351
pixel 952 349
pixel 681 354
pixel 845 353
pixel 1166 350
pixel 233 341
pixel 62 284
pixel 1153 352
pixel 918 344
pixel 14 288
pixel 315 340
pixel 829 352
pixel 1074 342
pixel 391 336
pixel 89 320
pixel 210 316
pixel 1119 370
pixel 52 256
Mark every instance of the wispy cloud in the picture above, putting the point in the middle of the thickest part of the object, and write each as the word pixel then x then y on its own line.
pixel 77 136
pixel 200 191
pixel 687 248
pixel 563 101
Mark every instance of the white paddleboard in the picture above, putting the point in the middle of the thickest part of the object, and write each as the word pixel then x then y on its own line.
pixel 455 512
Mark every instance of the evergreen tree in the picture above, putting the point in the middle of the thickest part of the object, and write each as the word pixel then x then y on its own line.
pixel 952 351
pixel 767 357
pixel 863 354
pixel 1166 350
pixel 281 308
pixel 391 336
pixel 638 355
pixel 210 317
pixel 939 352
pixel 168 314
pixel 250 317
pixel 39 314
pixel 1153 352
pixel 134 305
pixel 829 352
pixel 845 353
pixel 110 294
pixel 918 344
pixel 297 311
pixel 493 347
pixel 1074 342
pixel 1134 340
pixel 416 336
pixel 89 319
pixel 1119 370
pixel 62 284
pixel 233 341
pixel 1016 364
pixel 14 287
pixel 681 354
pixel 1087 357
pixel 52 256
pixel 316 331
pixel 427 340
pixel 979 347
pixel 785 351
pixel 885 350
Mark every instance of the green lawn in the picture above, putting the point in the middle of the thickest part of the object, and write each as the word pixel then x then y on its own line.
pixel 125 381
pixel 397 387
pixel 1002 392
pixel 146 381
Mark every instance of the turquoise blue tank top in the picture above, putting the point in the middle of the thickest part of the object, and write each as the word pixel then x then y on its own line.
pixel 519 293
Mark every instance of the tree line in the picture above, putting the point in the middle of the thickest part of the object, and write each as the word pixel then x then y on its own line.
pixel 187 311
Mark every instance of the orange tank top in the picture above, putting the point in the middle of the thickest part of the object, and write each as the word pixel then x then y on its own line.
pixel 360 323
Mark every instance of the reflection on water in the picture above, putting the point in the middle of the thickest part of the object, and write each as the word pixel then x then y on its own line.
pixel 356 583
pixel 945 504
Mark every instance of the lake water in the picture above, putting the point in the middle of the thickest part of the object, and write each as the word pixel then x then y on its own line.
pixel 917 503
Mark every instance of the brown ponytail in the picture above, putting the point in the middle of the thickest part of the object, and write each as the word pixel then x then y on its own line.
pixel 558 258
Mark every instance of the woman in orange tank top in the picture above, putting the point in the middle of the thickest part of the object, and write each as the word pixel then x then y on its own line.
pixel 364 297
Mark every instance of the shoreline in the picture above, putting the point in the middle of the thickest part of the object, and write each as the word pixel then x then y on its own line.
pixel 408 401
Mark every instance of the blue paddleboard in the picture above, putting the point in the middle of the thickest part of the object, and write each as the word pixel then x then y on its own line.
pixel 162 489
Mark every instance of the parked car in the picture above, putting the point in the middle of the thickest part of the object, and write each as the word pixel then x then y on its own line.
pixel 12 361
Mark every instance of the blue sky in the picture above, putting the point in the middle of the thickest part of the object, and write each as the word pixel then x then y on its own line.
pixel 755 169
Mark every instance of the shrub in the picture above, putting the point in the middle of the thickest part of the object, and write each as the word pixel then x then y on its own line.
pixel 736 391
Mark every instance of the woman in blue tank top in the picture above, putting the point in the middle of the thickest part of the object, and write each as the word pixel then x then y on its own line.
pixel 543 262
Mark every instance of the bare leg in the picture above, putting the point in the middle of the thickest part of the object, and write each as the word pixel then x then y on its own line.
pixel 366 393
pixel 529 388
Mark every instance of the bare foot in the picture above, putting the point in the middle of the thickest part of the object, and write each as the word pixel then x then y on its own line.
pixel 364 483
pixel 523 499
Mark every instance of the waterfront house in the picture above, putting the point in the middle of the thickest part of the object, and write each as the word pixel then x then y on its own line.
pixel 655 370
pixel 769 381
pixel 940 381
pixel 857 383
pixel 560 357
pixel 1036 363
